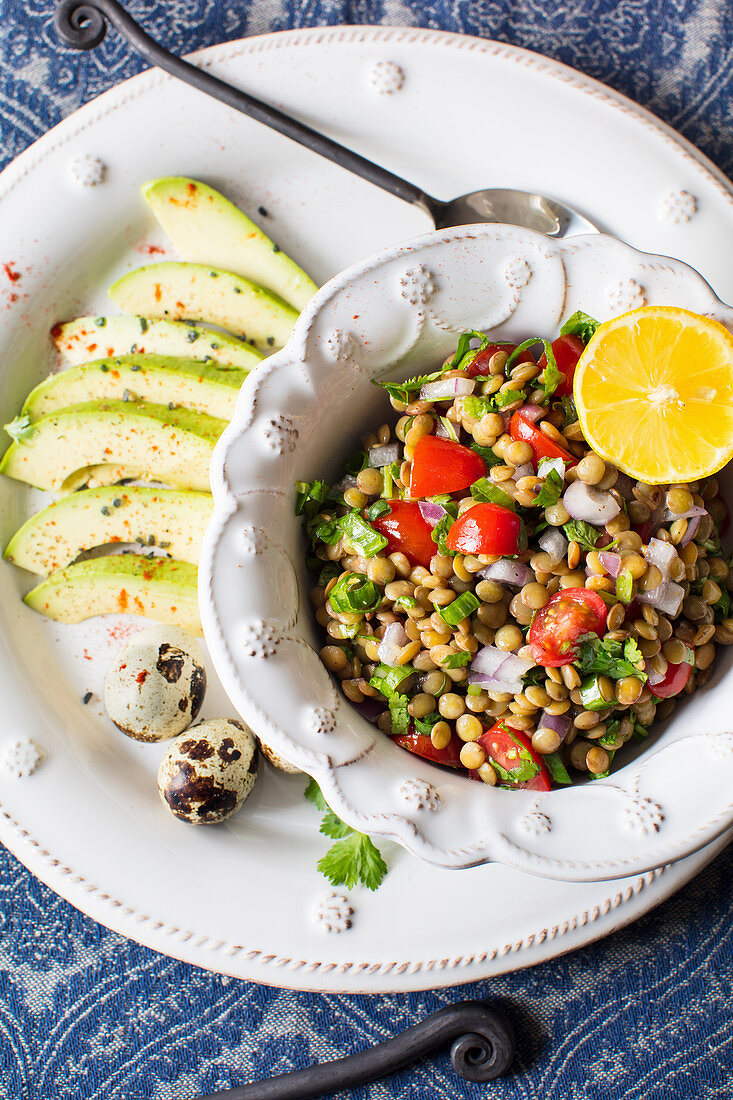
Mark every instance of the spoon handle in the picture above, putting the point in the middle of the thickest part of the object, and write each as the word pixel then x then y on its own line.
pixel 82 24
pixel 482 1049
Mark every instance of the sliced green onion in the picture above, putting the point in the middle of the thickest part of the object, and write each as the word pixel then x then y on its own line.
pixel 354 593
pixel 360 535
pixel 387 679
pixel 425 725
pixel 592 696
pixel 405 603
pixel 379 508
pixel 308 492
pixel 485 492
pixel 450 431
pixel 556 768
pixel 454 613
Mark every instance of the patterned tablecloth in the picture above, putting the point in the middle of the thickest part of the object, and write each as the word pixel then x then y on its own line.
pixel 647 1013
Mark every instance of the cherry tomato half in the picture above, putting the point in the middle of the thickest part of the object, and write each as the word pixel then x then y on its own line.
pixel 441 466
pixel 567 616
pixel 511 750
pixel 407 532
pixel 567 351
pixel 674 681
pixel 486 529
pixel 520 427
pixel 421 745
pixel 480 365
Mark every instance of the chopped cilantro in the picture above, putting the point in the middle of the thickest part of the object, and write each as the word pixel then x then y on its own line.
pixel 456 660
pixel 550 490
pixel 580 325
pixel 606 657
pixel 405 391
pixel 425 725
pixel 586 536
pixel 398 712
pixel 625 587
pixel 569 411
pixel 486 453
pixel 309 496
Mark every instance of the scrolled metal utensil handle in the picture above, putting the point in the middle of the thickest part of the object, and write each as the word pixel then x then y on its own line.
pixel 82 24
pixel 482 1049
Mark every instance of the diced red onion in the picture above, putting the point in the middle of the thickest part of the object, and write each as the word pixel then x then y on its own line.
pixel 508 572
pixel 548 464
pixel 667 597
pixel 692 526
pixel 370 709
pixel 446 388
pixel 592 505
pixel 554 543
pixel 533 413
pixel 612 563
pixel 560 723
pixel 348 481
pixel 654 677
pixel 383 454
pixel 666 515
pixel 431 513
pixel 393 639
pixel 525 470
pixel 495 670
pixel 661 554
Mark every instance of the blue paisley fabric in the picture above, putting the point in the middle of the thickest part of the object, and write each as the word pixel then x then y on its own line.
pixel 88 1015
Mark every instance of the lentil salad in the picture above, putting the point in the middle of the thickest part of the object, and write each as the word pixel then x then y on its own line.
pixel 498 598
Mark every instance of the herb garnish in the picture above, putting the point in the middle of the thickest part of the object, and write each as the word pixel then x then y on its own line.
pixel 580 325
pixel 608 657
pixel 354 857
pixel 586 536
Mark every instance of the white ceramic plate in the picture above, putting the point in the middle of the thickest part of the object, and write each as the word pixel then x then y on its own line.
pixel 397 313
pixel 242 898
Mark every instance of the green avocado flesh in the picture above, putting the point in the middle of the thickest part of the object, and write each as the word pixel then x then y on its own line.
pixel 171 519
pixel 174 291
pixel 206 228
pixel 159 379
pixel 88 338
pixel 159 588
pixel 138 440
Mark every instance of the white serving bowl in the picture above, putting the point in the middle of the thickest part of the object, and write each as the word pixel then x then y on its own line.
pixel 299 415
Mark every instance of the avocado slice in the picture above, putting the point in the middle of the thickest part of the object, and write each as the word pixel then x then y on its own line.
pixel 206 228
pixel 160 379
pixel 159 588
pixel 173 519
pixel 151 442
pixel 88 338
pixel 174 291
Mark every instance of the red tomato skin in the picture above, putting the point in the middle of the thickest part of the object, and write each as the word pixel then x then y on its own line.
pixel 567 616
pixel 407 531
pixel 480 365
pixel 567 351
pixel 485 529
pixel 442 466
pixel 421 745
pixel 542 446
pixel 499 735
pixel 674 681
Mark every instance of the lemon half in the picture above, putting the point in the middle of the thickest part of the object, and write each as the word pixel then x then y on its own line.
pixel 654 394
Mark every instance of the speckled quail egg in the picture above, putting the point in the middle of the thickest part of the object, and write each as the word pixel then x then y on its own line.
pixel 155 688
pixel 208 772
pixel 277 760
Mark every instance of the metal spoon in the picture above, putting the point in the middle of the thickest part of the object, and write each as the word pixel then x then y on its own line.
pixel 83 24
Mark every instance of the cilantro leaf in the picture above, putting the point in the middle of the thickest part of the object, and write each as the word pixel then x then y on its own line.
pixel 485 492
pixel 721 609
pixel 456 660
pixel 607 657
pixel 309 495
pixel 464 354
pixel 399 714
pixel 425 725
pixel 354 857
pixel 550 490
pixel 486 453
pixel 502 398
pixel 440 534
pixel 404 391
pixel 314 794
pixel 551 377
pixel 580 325
pixel 20 428
pixel 351 860
pixel 586 536
pixel 570 412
